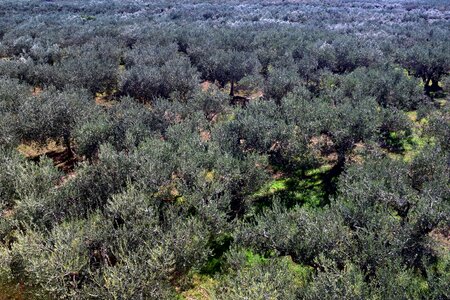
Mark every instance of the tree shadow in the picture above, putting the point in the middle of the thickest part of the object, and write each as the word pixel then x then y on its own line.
pixel 313 187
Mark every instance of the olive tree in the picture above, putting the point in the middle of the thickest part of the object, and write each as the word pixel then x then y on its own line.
pixel 52 115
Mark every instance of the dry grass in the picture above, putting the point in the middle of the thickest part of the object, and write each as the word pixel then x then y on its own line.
pixel 205 135
pixel 200 289
pixel 33 150
pixel 442 238
pixel 62 158
pixel 357 154
pixel 36 91
pixel 205 85
pixel 252 94
pixel 103 99
pixel 323 148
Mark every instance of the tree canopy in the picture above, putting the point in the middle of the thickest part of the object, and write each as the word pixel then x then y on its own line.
pixel 224 150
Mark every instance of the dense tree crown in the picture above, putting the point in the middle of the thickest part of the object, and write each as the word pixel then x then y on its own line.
pixel 224 149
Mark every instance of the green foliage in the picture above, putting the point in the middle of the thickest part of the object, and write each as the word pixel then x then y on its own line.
pixel 12 95
pixel 330 181
pixel 438 276
pixel 302 236
pixel 51 115
pixel 373 200
pixel 259 279
pixel 59 266
pixel 228 66
pixel 427 60
pixel 333 283
pixel 9 167
pixel 148 82
pixel 279 83
pixel 395 130
pixel 392 281
pixel 446 83
pixel 150 270
pixel 438 127
pixel 390 86
pixel 92 66
pixel 124 126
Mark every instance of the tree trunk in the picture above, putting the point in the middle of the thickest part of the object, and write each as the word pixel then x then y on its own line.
pixel 435 86
pixel 67 145
pixel 432 86
pixel 232 88
pixel 340 164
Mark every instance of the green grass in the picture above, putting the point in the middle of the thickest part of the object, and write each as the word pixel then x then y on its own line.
pixel 219 245
pixel 411 145
pixel 302 272
pixel 203 284
pixel 272 187
pixel 308 188
pixel 254 259
pixel 418 140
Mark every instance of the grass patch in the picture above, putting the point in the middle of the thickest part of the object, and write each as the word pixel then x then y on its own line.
pixel 18 291
pixel 254 259
pixel 441 102
pixel 302 272
pixel 412 115
pixel 411 145
pixel 31 150
pixel 309 188
pixel 272 187
pixel 220 245
pixel 201 287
